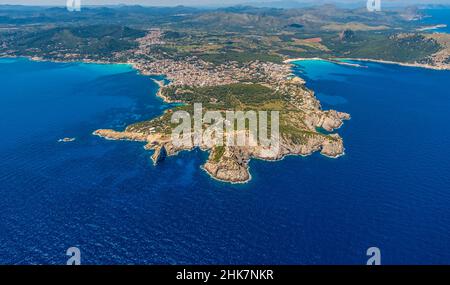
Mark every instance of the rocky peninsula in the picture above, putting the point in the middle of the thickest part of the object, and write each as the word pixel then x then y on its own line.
pixel 255 86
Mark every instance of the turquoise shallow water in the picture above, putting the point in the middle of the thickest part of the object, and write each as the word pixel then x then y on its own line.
pixel 390 190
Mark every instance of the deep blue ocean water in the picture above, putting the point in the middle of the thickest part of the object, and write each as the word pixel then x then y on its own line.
pixel 438 16
pixel 390 190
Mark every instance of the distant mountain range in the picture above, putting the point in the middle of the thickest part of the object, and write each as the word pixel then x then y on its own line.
pixel 290 4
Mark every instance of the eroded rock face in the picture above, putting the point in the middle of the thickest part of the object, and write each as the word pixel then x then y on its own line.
pixel 328 120
pixel 160 154
pixel 333 120
pixel 231 167
pixel 333 148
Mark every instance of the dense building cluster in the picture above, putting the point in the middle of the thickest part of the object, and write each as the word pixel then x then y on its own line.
pixel 153 37
pixel 193 71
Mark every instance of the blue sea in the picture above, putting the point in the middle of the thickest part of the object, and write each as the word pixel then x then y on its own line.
pixel 391 190
pixel 438 16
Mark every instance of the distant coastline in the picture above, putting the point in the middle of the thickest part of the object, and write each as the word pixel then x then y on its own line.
pixel 341 62
pixel 430 28
pixel 84 61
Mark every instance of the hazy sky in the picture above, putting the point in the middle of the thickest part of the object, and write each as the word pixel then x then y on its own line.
pixel 193 2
